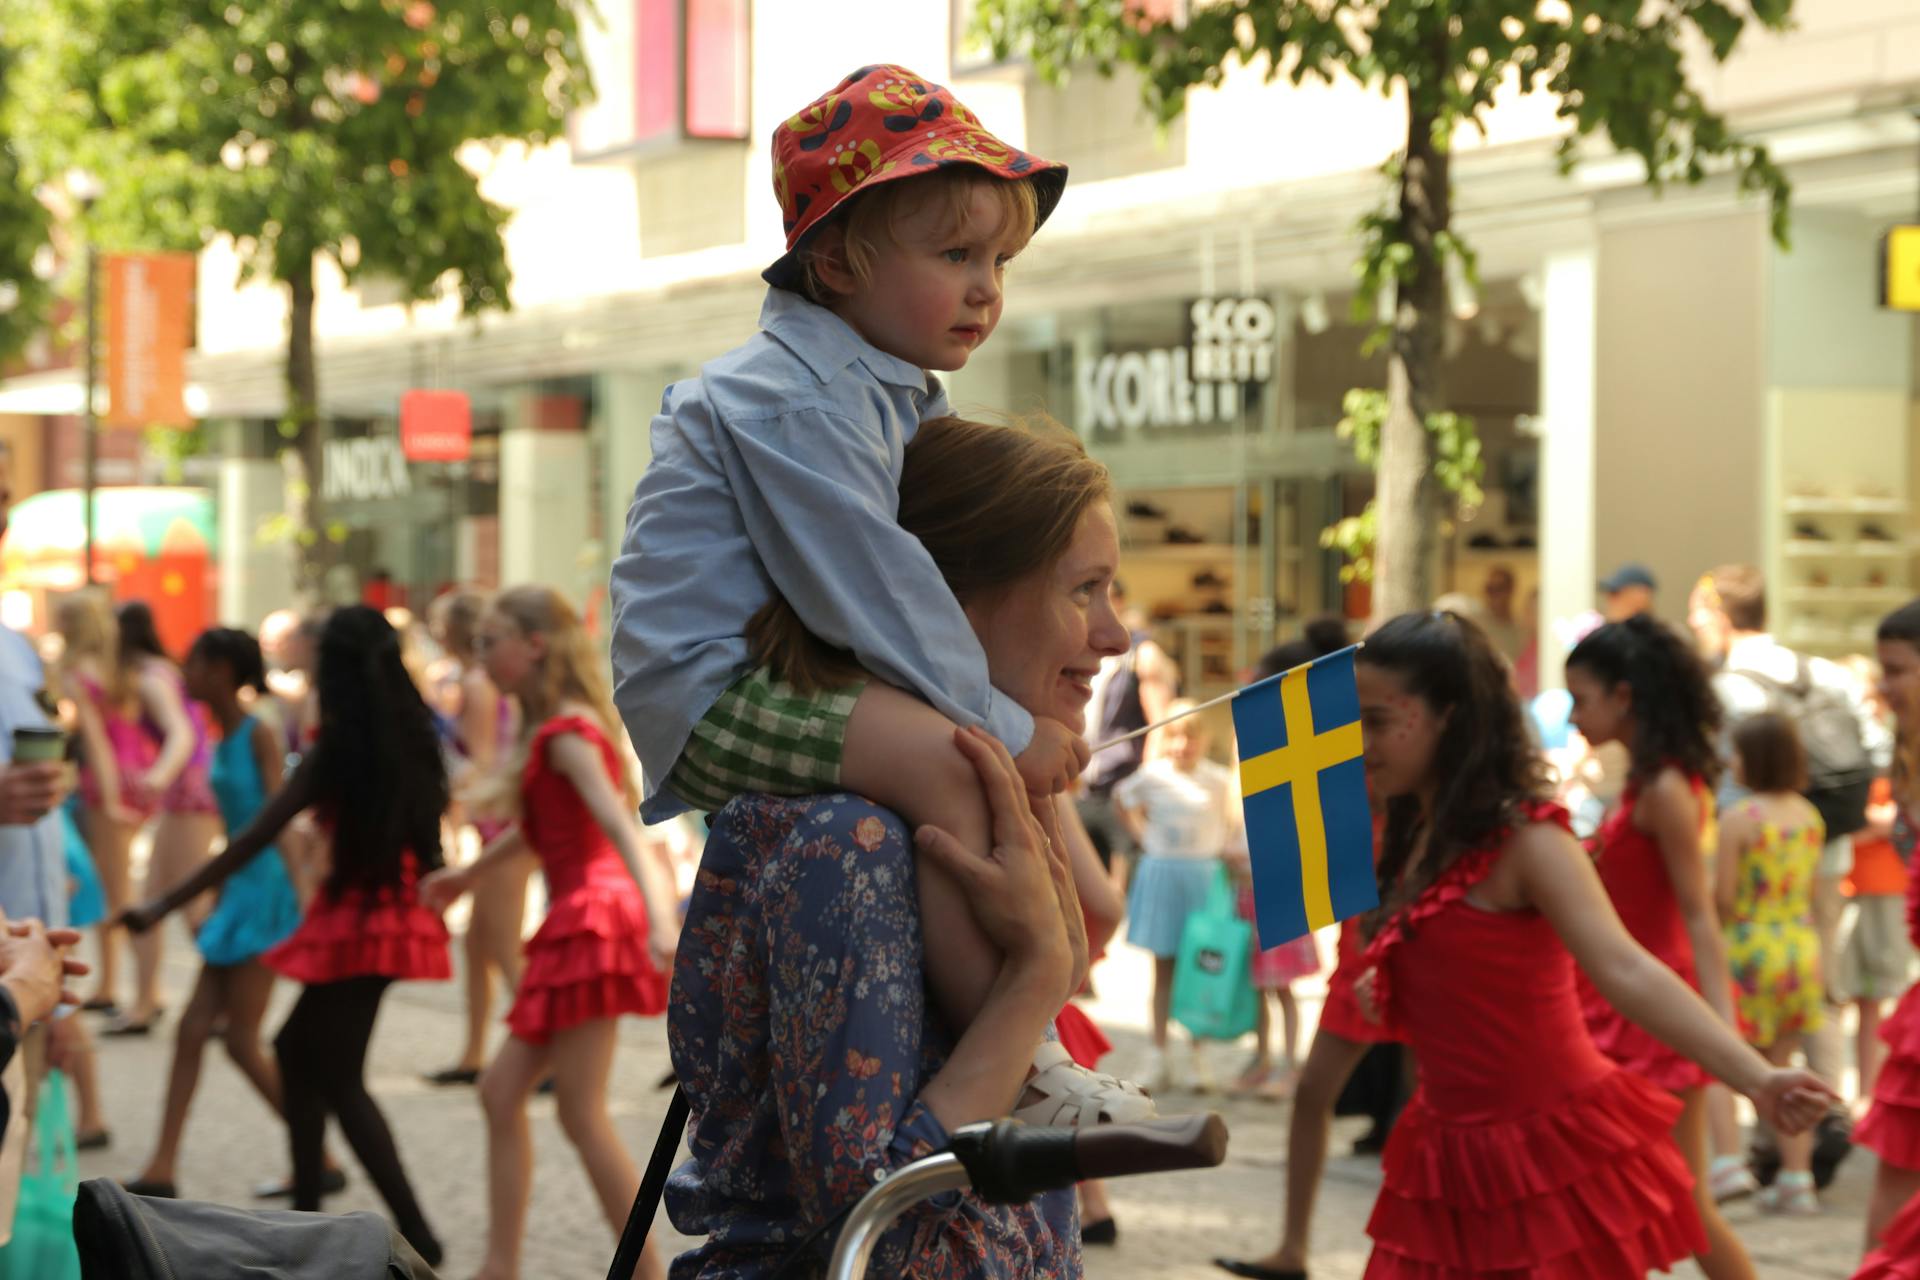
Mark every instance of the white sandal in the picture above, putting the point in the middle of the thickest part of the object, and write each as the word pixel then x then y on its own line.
pixel 1067 1095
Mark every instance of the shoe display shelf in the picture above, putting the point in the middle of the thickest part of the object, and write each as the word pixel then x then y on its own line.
pixel 1846 562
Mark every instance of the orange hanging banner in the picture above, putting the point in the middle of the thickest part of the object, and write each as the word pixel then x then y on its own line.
pixel 149 327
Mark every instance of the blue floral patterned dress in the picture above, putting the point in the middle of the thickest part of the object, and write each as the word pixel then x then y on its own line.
pixel 800 1028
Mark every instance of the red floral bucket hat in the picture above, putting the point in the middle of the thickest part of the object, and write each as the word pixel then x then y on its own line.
pixel 879 124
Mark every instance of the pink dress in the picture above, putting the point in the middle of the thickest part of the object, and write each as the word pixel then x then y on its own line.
pixel 191 791
pixel 1277 968
pixel 133 753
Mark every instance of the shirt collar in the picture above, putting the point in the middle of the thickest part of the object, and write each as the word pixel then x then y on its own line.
pixel 826 344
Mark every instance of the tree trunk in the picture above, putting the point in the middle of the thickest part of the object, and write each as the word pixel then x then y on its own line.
pixel 300 460
pixel 1407 495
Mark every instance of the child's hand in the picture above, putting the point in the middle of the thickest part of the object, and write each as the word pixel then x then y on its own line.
pixel 1053 759
pixel 1792 1101
pixel 442 887
pixel 1363 995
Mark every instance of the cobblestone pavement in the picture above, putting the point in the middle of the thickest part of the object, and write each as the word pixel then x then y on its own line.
pixel 1170 1226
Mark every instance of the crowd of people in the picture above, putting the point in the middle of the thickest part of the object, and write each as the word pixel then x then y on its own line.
pixel 876 644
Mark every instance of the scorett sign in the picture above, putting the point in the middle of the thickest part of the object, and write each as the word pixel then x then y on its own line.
pixel 1229 351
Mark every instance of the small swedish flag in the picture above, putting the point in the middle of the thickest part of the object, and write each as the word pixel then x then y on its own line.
pixel 1304 790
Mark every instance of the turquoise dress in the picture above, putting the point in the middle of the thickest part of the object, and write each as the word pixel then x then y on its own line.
pixel 258 907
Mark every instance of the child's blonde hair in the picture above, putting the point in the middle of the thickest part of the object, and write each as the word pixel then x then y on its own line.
pixel 571 670
pixel 86 622
pixel 872 219
pixel 1193 723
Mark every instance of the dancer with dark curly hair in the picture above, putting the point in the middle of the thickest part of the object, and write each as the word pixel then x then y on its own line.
pixel 1641 684
pixel 376 780
pixel 1525 1151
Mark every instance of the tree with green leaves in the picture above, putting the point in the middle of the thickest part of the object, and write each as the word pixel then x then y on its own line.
pixel 24 288
pixel 1617 67
pixel 301 129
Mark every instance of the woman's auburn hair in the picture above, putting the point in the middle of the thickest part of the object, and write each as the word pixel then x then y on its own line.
pixel 991 503
pixel 571 671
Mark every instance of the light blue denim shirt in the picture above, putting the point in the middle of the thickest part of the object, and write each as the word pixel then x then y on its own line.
pixel 778 469
pixel 33 867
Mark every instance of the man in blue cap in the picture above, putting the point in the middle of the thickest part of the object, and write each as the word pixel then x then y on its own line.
pixel 1629 592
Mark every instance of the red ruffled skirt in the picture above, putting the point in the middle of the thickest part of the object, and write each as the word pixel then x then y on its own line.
pixel 588 961
pixel 1593 1190
pixel 387 934
pixel 1898 1257
pixel 1341 1013
pixel 1892 1126
pixel 1084 1042
pixel 1627 1045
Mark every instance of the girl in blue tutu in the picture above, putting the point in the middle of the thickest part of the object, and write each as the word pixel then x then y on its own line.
pixel 257 906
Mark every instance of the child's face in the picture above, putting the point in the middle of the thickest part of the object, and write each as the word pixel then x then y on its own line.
pixel 1600 713
pixel 508 653
pixel 1186 742
pixel 1900 679
pixel 1401 732
pixel 934 295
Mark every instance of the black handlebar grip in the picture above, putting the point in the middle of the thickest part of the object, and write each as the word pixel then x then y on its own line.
pixel 1010 1163
pixel 1152 1146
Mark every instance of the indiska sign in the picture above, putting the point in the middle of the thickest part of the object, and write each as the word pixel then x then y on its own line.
pixel 1230 347
pixel 364 469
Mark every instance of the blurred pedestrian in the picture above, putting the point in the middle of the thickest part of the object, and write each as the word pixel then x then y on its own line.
pixel 115 758
pixel 1769 849
pixel 1641 684
pixel 1183 810
pixel 256 909
pixel 1847 747
pixel 189 818
pixel 1497 615
pixel 478 729
pixel 1131 691
pixel 375 778
pixel 606 946
pixel 1876 959
pixel 1628 592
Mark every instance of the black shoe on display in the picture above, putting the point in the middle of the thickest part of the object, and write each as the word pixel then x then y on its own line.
pixel 1874 533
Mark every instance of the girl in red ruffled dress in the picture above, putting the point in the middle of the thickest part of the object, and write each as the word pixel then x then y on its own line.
pixel 1525 1152
pixel 1892 1125
pixel 1641 684
pixel 375 780
pixel 612 916
pixel 1340 1042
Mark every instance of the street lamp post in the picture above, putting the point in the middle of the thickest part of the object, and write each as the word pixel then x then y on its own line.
pixel 85 188
pixel 91 454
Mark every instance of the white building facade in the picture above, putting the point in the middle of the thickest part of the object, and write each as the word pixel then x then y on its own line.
pixel 1655 380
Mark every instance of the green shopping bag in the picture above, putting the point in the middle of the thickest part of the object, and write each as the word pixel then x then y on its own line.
pixel 42 1247
pixel 1213 995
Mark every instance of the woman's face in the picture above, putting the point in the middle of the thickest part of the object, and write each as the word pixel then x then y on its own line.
pixel 509 654
pixel 1046 635
pixel 1400 730
pixel 1601 713
pixel 1900 680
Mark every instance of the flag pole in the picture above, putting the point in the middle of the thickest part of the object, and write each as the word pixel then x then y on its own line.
pixel 1214 702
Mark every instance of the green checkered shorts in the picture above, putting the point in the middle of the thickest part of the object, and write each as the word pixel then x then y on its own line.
pixel 761 735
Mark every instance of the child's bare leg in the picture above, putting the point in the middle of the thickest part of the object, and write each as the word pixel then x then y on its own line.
pixel 899 753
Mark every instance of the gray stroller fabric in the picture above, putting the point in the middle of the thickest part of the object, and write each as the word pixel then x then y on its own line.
pixel 127 1237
